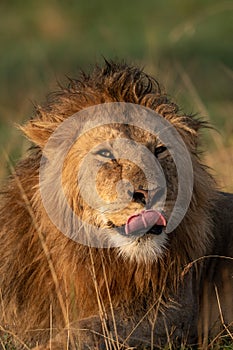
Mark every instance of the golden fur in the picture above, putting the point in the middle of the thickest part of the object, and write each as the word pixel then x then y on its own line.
pixel 49 281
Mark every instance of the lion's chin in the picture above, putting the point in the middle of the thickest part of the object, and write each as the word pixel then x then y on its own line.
pixel 144 249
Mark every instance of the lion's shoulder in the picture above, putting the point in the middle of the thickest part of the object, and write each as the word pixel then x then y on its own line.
pixel 224 207
pixel 223 223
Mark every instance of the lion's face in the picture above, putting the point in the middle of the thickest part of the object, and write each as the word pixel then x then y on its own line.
pixel 116 179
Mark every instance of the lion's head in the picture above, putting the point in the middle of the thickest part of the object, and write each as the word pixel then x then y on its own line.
pixel 118 146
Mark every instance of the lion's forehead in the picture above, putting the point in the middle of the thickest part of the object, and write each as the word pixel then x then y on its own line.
pixel 114 132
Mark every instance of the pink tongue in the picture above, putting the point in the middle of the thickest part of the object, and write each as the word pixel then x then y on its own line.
pixel 144 221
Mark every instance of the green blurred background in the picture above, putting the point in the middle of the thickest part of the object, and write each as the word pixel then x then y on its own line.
pixel 185 44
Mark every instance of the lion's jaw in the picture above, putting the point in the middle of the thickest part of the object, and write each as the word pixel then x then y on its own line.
pixel 137 244
pixel 144 249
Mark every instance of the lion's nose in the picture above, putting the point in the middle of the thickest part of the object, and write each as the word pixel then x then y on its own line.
pixel 148 198
pixel 141 196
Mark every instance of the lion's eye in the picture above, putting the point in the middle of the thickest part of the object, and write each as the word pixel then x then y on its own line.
pixel 105 153
pixel 160 150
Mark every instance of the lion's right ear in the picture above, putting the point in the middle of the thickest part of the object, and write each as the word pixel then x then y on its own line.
pixel 38 131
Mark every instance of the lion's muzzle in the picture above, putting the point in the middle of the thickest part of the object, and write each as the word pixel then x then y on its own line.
pixel 147 221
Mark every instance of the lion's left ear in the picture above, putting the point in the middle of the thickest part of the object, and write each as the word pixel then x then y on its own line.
pixel 190 129
pixel 197 123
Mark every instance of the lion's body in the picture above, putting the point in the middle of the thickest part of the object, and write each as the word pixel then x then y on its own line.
pixel 49 281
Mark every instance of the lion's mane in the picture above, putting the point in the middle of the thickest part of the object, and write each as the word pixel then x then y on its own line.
pixel 48 280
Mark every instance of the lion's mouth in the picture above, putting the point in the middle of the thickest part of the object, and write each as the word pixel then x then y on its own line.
pixel 146 222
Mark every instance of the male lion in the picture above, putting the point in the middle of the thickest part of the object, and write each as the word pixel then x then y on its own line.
pixel 113 234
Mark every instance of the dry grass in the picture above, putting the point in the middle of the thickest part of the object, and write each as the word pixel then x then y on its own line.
pixel 220 158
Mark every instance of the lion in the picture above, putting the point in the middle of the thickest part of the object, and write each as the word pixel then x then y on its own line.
pixel 90 256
